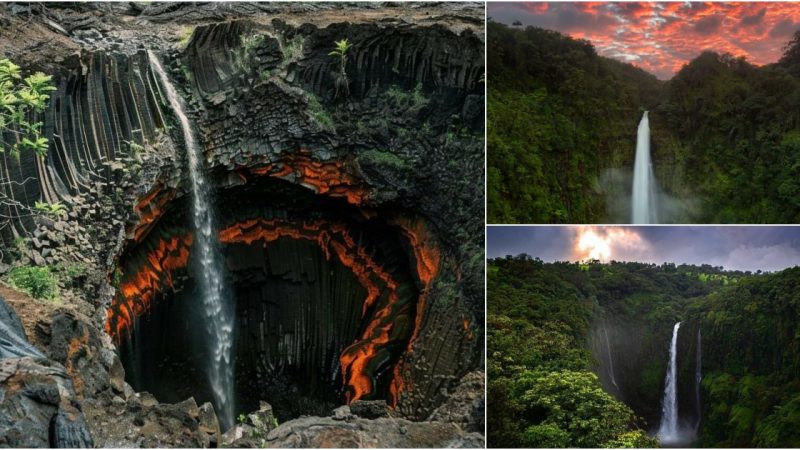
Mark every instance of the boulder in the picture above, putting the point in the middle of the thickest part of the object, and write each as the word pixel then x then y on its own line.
pixel 38 406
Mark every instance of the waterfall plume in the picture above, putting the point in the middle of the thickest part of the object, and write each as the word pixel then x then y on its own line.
pixel 217 308
pixel 668 430
pixel 643 198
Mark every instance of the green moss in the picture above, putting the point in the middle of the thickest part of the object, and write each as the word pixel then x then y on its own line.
pixel 319 114
pixel 292 49
pixel 382 158
pixel 410 99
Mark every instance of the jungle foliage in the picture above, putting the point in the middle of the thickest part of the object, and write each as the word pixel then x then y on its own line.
pixel 563 120
pixel 540 321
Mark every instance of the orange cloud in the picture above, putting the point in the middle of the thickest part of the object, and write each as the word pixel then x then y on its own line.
pixel 661 37
pixel 606 243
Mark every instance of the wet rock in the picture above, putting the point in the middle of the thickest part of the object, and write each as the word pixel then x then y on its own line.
pixel 209 423
pixel 263 418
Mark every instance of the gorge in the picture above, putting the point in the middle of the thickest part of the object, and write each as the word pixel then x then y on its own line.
pixel 241 234
pixel 588 354
pixel 723 144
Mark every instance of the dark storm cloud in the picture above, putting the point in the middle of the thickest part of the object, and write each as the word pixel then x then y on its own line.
pixel 784 28
pixel 732 247
pixel 707 25
pixel 755 19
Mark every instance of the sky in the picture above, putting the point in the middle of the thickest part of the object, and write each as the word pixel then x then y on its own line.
pixel 732 247
pixel 661 37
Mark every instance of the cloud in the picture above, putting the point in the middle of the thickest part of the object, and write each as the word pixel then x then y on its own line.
pixel 707 25
pixel 784 28
pixel 754 19
pixel 732 247
pixel 662 37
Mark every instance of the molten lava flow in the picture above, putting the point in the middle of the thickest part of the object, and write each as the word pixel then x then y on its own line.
pixel 149 208
pixel 428 258
pixel 386 322
pixel 389 318
pixel 330 177
pixel 138 289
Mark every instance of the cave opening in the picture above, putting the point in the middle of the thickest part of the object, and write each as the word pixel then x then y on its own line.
pixel 325 293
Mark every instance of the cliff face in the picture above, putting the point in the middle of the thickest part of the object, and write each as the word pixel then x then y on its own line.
pixel 378 180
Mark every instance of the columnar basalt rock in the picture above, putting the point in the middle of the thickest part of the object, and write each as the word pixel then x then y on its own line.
pixel 384 186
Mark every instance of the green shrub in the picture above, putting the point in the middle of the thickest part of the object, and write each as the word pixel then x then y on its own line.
pixel 51 209
pixel 38 282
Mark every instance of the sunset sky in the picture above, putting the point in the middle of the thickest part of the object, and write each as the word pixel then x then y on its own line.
pixel 661 37
pixel 733 247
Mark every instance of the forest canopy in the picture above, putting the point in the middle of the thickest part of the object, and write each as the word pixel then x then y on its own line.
pixel 562 132
pixel 544 322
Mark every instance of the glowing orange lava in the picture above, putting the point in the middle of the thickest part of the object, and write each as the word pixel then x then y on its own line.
pixel 149 208
pixel 137 291
pixel 330 177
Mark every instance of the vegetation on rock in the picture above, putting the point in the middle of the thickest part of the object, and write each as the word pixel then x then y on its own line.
pixel 20 99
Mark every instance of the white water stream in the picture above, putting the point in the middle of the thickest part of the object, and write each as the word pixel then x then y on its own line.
pixel 218 311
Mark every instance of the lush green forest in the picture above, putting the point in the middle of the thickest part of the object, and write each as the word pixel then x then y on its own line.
pixel 562 133
pixel 548 385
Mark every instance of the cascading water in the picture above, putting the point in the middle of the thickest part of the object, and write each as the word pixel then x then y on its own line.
pixel 697 378
pixel 668 431
pixel 218 312
pixel 610 359
pixel 643 208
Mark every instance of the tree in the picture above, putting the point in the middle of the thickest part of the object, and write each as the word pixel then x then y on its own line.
pixel 342 83
pixel 791 55
pixel 20 99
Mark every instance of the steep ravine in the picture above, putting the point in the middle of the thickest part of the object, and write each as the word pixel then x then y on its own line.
pixel 370 200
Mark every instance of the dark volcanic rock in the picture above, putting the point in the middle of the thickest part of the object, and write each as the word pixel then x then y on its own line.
pixel 13 342
pixel 38 407
pixel 369 409
pixel 466 403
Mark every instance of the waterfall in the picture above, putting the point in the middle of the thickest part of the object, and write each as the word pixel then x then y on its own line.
pixel 668 431
pixel 610 359
pixel 697 378
pixel 218 312
pixel 643 208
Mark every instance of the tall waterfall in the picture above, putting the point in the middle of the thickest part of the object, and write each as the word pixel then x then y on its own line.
pixel 218 312
pixel 697 378
pixel 643 208
pixel 668 431
pixel 610 359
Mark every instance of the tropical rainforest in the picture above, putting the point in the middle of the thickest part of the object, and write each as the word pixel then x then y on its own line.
pixel 577 353
pixel 562 132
